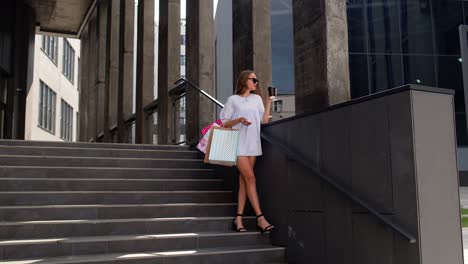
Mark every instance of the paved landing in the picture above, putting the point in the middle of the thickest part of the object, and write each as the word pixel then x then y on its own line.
pixel 464 204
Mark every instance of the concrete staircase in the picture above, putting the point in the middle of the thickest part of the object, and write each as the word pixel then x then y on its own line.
pixel 118 203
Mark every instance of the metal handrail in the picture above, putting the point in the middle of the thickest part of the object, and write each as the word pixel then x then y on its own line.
pixel 179 89
pixel 307 164
pixel 130 119
pixel 176 98
pixel 151 107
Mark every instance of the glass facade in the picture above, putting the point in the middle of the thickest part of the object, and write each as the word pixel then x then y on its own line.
pixel 391 43
pixel 397 42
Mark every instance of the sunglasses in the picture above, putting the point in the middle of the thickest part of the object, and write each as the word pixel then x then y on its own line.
pixel 254 80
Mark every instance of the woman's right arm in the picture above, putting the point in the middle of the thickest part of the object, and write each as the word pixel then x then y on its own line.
pixel 231 123
pixel 227 113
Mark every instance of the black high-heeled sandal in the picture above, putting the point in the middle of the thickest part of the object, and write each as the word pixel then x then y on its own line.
pixel 267 228
pixel 234 226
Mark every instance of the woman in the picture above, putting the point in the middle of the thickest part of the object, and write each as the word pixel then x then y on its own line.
pixel 245 111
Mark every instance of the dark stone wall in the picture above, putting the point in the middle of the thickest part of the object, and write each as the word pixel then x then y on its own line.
pixel 6 35
pixel 369 146
pixel 17 41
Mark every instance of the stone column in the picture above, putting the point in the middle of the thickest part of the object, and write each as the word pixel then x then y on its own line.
pixel 200 67
pixel 320 54
pixel 116 61
pixel 17 60
pixel 114 65
pixel 107 90
pixel 145 69
pixel 92 73
pixel 148 65
pixel 128 78
pixel 24 39
pixel 84 86
pixel 107 71
pixel 168 65
pixel 251 33
pixel 101 72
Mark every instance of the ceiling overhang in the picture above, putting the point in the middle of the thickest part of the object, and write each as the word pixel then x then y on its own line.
pixel 66 18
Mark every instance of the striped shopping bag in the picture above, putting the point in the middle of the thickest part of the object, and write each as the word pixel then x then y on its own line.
pixel 222 146
pixel 203 144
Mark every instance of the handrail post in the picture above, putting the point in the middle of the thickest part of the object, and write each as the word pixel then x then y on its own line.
pixel 179 92
pixel 149 138
pixel 189 84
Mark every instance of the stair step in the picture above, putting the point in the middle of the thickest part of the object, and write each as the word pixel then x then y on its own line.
pixel 51 161
pixel 41 248
pixel 114 211
pixel 107 203
pixel 103 172
pixel 97 152
pixel 108 227
pixel 32 143
pixel 228 255
pixel 113 197
pixel 108 184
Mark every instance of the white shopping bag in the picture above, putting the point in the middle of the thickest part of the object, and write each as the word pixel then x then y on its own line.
pixel 222 146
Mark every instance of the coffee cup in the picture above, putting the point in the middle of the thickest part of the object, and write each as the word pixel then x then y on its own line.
pixel 272 92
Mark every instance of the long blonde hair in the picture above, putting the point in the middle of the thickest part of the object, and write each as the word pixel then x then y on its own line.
pixel 241 84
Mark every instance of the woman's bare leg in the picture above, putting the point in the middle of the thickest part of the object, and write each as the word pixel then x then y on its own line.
pixel 245 166
pixel 242 195
pixel 241 200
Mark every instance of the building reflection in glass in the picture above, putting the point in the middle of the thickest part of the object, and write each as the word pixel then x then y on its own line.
pixel 397 42
pixel 391 43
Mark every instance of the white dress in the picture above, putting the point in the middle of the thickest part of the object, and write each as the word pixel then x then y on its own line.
pixel 251 108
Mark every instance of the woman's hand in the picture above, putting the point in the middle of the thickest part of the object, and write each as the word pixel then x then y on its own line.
pixel 244 121
pixel 241 120
pixel 266 114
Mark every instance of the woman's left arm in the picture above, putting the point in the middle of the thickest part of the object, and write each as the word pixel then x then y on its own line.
pixel 266 114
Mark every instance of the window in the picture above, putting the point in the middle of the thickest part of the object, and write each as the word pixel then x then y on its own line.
pixel 78 126
pixel 68 67
pixel 278 106
pixel 49 46
pixel 182 60
pixel 47 108
pixel 79 75
pixel 66 122
pixel 182 40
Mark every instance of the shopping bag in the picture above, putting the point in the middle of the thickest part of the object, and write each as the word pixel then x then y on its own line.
pixel 222 146
pixel 206 134
pixel 207 128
